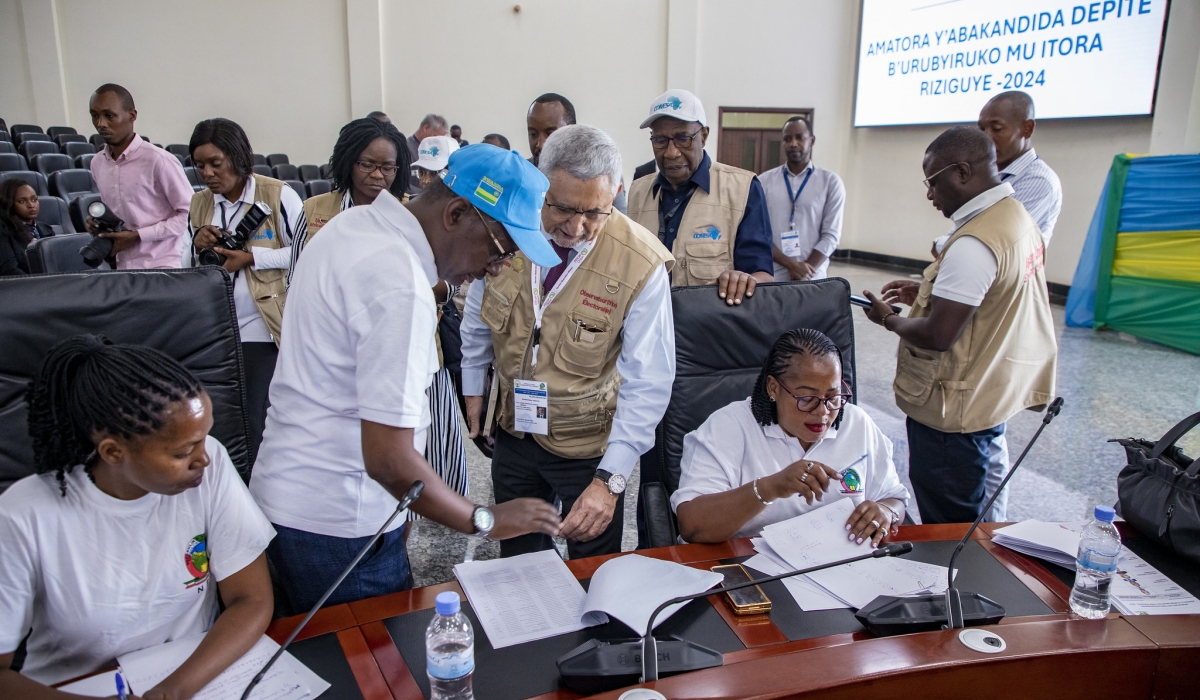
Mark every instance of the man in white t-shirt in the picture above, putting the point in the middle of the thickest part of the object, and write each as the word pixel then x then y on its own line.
pixel 346 428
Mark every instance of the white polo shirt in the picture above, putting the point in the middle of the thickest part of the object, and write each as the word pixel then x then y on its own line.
pixel 358 345
pixel 731 449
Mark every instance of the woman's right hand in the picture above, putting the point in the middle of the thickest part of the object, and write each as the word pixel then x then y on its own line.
pixel 522 516
pixel 808 478
pixel 207 237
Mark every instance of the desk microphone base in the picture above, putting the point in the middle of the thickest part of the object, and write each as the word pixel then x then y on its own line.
pixel 596 666
pixel 887 615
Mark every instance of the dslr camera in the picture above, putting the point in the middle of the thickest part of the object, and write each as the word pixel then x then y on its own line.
pixel 236 239
pixel 98 249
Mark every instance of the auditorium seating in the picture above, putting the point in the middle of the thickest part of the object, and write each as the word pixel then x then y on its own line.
pixel 84 161
pixel 53 212
pixel 96 141
pixel 286 171
pixel 316 187
pixel 77 149
pixel 4 135
pixel 64 139
pixel 326 168
pixel 183 160
pixel 193 178
pixel 298 187
pixel 7 147
pixel 29 149
pixel 55 131
pixel 46 163
pixel 277 159
pixel 24 129
pixel 179 149
pixel 263 170
pixel 309 173
pixel 60 254
pixel 13 161
pixel 33 178
pixel 69 184
pixel 259 159
pixel 78 209
pixel 33 137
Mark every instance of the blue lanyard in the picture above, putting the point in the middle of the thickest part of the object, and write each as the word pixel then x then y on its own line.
pixel 788 181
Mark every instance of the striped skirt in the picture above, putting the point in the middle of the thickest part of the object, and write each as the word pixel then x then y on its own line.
pixel 444 441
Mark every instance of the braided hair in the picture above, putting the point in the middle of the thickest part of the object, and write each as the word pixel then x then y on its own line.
pixel 354 139
pixel 85 386
pixel 801 341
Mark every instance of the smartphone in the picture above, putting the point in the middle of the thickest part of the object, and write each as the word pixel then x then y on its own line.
pixel 866 303
pixel 745 601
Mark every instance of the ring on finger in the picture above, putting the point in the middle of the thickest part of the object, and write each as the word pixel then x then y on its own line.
pixel 875 523
pixel 808 468
pixel 804 477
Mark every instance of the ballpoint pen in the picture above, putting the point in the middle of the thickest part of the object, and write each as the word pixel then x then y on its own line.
pixel 122 689
pixel 842 474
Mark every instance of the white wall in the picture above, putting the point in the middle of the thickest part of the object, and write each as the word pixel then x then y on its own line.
pixel 16 89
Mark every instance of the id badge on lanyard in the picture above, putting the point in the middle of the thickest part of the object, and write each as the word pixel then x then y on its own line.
pixel 531 399
pixel 789 240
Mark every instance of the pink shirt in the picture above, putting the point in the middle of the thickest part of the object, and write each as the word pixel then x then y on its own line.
pixel 147 189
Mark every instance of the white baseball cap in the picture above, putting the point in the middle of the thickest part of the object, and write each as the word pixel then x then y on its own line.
pixel 434 153
pixel 680 104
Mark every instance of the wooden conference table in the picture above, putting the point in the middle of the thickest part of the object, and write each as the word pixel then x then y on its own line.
pixel 361 648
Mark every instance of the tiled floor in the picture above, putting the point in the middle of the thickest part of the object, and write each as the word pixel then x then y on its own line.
pixel 1113 385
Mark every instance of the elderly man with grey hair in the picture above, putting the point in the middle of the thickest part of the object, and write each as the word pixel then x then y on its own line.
pixel 584 352
pixel 431 125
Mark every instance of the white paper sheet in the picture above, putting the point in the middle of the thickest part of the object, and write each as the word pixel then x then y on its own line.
pixel 523 598
pixel 101 685
pixel 1054 542
pixel 629 588
pixel 816 537
pixel 1140 589
pixel 808 595
pixel 288 679
pixel 863 581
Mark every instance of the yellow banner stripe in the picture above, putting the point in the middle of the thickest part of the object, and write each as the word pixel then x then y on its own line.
pixel 1165 255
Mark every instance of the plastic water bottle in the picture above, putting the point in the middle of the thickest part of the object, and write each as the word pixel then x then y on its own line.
pixel 449 651
pixel 1099 548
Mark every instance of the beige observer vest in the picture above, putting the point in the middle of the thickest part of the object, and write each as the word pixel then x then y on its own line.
pixel 703 247
pixel 319 210
pixel 268 287
pixel 579 369
pixel 1004 360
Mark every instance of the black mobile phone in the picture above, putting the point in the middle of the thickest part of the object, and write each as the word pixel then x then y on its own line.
pixel 866 303
pixel 745 601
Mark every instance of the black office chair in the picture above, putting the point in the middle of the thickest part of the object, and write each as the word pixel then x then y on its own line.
pixel 259 159
pixel 76 149
pixel 263 170
pixel 69 184
pixel 286 171
pixel 326 169
pixel 46 163
pixel 316 187
pixel 97 141
pixel 298 187
pixel 180 149
pixel 33 132
pixel 193 175
pixel 29 149
pixel 309 172
pixel 277 159
pixel 64 139
pixel 146 139
pixel 719 351
pixel 12 161
pixel 55 131
pixel 32 178
pixel 187 313
pixel 7 146
pixel 84 162
pixel 4 135
pixel 31 137
pixel 183 160
pixel 60 254
pixel 53 212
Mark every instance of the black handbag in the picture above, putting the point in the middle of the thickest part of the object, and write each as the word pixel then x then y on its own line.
pixel 1158 491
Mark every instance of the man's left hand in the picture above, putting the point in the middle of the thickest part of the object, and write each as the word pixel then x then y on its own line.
pixel 879 308
pixel 122 240
pixel 803 271
pixel 590 514
pixel 732 285
pixel 235 259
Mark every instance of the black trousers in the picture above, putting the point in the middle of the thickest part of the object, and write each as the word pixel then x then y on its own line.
pixel 949 471
pixel 522 468
pixel 260 368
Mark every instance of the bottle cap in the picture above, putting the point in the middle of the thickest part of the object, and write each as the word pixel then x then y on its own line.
pixel 1104 513
pixel 448 604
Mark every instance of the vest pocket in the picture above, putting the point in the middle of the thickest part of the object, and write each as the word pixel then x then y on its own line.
pixel 585 416
pixel 583 345
pixel 915 376
pixel 499 294
pixel 706 260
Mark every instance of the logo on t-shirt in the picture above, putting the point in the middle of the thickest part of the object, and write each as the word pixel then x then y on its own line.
pixel 195 557
pixel 851 482
pixel 711 232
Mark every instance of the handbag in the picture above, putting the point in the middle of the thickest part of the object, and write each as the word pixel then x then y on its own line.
pixel 1158 491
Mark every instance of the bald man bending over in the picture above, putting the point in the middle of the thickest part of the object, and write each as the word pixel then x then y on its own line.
pixel 978 344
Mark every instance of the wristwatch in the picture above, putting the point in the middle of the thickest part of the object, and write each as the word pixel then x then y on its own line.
pixel 483 520
pixel 614 482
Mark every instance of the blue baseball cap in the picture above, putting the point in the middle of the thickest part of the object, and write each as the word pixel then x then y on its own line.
pixel 507 188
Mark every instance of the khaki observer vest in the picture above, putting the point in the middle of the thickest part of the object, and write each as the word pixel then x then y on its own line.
pixel 1004 361
pixel 319 210
pixel 268 287
pixel 578 368
pixel 703 247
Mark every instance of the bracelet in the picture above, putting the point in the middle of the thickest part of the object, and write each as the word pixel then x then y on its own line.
pixel 759 495
pixel 885 319
pixel 894 516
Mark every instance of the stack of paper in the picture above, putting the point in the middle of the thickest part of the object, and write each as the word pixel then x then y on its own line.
pixel 819 537
pixel 534 596
pixel 1137 587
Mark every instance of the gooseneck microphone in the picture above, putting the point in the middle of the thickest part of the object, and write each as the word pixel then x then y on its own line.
pixel 650 645
pixel 411 495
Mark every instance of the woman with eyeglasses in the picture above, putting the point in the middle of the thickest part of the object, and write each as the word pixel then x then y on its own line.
pixel 795 445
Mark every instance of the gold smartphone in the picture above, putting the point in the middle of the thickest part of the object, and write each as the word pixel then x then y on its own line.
pixel 745 601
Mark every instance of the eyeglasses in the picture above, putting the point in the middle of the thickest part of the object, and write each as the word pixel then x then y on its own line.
pixel 929 180
pixel 504 255
pixel 563 213
pixel 682 141
pixel 808 404
pixel 367 168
